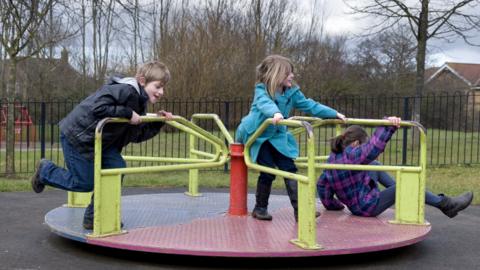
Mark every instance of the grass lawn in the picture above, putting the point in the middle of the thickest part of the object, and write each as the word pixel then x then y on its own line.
pixel 444 147
pixel 451 180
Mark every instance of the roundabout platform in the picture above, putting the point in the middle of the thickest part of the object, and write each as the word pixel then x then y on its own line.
pixel 173 223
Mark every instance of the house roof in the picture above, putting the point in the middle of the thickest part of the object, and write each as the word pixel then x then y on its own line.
pixel 467 72
pixel 36 65
pixel 430 71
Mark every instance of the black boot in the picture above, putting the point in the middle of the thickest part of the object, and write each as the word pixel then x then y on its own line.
pixel 295 214
pixel 263 193
pixel 451 206
pixel 292 191
pixel 261 213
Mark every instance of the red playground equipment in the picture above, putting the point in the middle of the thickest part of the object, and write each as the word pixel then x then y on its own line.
pixel 24 128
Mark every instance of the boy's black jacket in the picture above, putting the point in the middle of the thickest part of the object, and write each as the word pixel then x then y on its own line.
pixel 117 98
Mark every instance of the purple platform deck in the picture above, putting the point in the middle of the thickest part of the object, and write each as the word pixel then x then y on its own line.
pixel 174 223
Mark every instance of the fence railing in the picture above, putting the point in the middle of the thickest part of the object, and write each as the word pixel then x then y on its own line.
pixel 452 122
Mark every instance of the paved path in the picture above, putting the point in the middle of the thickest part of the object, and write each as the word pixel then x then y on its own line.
pixel 26 243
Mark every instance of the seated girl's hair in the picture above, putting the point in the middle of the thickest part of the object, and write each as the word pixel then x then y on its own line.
pixel 349 135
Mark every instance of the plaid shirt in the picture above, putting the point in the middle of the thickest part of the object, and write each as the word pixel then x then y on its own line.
pixel 355 189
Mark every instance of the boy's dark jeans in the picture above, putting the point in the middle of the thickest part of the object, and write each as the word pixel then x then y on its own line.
pixel 79 176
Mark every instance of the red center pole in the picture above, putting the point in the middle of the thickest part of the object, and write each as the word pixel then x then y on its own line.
pixel 238 181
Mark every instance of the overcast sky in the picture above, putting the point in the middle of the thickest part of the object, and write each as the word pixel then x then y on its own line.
pixel 339 21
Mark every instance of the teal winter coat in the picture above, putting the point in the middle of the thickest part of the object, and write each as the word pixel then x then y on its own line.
pixel 263 107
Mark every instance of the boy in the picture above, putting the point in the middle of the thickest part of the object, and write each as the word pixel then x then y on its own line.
pixel 120 97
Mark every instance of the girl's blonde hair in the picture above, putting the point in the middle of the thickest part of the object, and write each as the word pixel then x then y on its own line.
pixel 273 71
pixel 154 71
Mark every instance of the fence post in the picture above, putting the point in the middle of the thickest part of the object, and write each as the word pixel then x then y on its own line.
pixel 406 116
pixel 42 129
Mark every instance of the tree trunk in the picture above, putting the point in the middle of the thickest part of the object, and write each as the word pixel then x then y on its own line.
pixel 135 36
pixel 154 32
pixel 84 44
pixel 94 41
pixel 258 32
pixel 421 51
pixel 10 127
pixel 3 87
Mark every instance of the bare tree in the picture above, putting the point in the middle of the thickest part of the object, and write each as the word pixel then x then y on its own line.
pixel 102 17
pixel 21 22
pixel 3 57
pixel 445 19
pixel 385 62
pixel 163 21
pixel 279 21
pixel 256 13
pixel 83 31
pixel 316 27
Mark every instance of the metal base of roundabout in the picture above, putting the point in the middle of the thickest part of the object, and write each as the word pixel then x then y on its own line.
pixel 173 223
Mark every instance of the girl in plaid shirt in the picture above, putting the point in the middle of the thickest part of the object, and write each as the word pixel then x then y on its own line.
pixel 358 190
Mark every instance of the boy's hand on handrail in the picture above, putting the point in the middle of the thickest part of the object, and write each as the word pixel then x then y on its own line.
pixel 167 115
pixel 135 119
pixel 276 118
pixel 395 120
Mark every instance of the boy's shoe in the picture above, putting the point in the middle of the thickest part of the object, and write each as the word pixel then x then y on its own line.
pixel 261 213
pixel 88 224
pixel 36 182
pixel 295 214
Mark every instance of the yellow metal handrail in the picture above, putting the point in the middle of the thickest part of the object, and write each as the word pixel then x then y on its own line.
pixel 194 153
pixel 307 232
pixel 410 195
pixel 107 187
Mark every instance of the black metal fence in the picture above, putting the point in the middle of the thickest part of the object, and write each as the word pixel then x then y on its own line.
pixel 452 121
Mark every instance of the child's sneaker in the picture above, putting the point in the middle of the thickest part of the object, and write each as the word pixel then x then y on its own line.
pixel 36 182
pixel 88 224
pixel 88 218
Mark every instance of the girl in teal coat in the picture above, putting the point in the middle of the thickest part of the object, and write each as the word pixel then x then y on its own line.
pixel 275 96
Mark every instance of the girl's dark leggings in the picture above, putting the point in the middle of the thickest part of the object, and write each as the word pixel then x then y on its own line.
pixel 387 196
